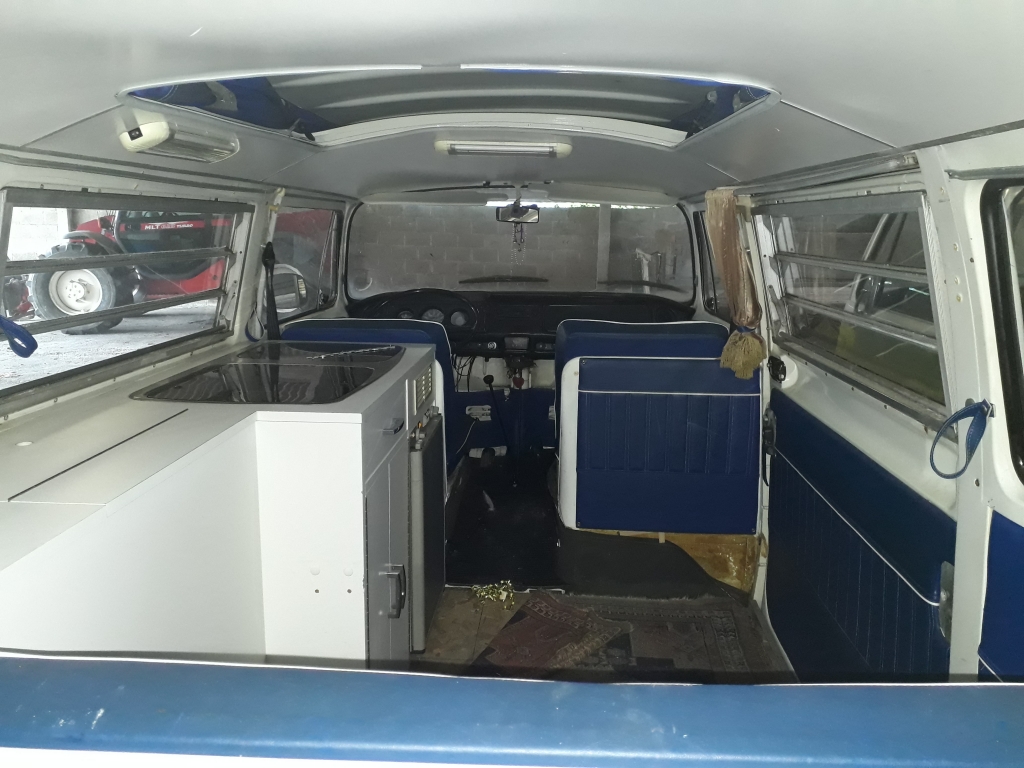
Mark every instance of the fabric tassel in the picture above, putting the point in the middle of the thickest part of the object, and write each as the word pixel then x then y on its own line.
pixel 743 353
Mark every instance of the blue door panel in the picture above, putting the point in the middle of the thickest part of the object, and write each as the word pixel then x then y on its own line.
pixel 844 603
pixel 1002 634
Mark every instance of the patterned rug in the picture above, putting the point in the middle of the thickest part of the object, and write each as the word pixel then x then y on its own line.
pixel 611 639
pixel 545 635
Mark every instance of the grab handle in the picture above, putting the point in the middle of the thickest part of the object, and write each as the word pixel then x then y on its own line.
pixel 978 413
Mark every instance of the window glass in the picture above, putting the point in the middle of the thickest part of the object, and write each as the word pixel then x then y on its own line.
pixel 1014 203
pixel 713 289
pixel 1002 209
pixel 573 247
pixel 170 298
pixel 306 274
pixel 857 286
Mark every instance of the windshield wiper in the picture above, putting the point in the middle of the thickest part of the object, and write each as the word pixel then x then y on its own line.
pixel 503 279
pixel 646 283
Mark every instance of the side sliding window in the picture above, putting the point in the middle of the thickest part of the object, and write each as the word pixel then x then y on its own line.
pixel 856 294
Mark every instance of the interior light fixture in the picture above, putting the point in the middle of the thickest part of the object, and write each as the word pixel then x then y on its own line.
pixel 554 149
pixel 164 138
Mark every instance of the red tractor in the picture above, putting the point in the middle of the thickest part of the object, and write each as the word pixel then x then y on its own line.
pixel 50 296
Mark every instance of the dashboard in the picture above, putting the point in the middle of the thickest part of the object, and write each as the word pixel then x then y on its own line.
pixel 514 323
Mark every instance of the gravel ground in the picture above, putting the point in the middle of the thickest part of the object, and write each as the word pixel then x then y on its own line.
pixel 60 352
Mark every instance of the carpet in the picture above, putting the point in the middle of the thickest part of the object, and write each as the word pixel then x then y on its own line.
pixel 545 635
pixel 610 639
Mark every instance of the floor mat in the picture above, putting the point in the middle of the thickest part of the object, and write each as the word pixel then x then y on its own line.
pixel 708 640
pixel 602 639
pixel 545 634
pixel 506 525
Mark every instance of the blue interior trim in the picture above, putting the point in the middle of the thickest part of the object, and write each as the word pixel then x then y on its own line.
pixel 605 338
pixel 673 446
pixel 1002 632
pixel 341 715
pixel 909 531
pixel 843 606
pixel 678 376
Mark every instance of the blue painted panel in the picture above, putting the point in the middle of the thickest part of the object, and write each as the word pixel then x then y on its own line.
pixel 679 376
pixel 1002 633
pixel 673 463
pixel 855 560
pixel 327 714
pixel 840 612
pixel 909 531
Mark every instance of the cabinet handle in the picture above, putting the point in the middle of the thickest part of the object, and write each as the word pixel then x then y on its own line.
pixel 394 427
pixel 397 588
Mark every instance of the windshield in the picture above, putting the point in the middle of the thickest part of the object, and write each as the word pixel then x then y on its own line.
pixel 575 247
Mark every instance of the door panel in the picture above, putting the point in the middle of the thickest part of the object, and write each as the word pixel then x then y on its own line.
pixel 855 559
pixel 1001 651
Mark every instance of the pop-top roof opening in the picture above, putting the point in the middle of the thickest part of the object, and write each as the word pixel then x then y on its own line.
pixel 307 104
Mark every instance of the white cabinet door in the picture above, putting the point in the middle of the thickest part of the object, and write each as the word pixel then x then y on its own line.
pixel 387 546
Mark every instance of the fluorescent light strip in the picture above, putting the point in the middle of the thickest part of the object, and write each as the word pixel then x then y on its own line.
pixel 552 149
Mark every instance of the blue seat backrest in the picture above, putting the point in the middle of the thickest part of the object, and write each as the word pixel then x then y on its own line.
pixel 666 444
pixel 373 331
pixel 603 338
pixel 855 559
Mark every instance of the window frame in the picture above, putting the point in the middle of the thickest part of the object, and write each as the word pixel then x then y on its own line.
pixel 35 390
pixel 1000 260
pixel 859 201
pixel 705 256
pixel 345 235
pixel 334 240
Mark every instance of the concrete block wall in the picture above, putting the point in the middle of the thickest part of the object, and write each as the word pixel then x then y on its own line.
pixel 396 247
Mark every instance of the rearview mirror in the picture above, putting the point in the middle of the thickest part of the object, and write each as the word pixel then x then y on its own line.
pixel 518 214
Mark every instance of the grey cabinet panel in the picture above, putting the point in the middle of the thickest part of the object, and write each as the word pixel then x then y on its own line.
pixel 387 560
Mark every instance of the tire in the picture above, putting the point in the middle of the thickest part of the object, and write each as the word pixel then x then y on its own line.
pixel 75 292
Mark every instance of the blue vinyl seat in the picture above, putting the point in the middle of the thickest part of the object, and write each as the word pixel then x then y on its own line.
pixel 654 434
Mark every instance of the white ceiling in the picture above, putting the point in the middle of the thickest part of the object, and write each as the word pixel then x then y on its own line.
pixel 855 78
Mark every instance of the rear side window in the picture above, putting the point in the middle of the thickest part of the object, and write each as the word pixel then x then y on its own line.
pixel 306 249
pixel 97 277
pixel 856 289
pixel 1003 224
pixel 712 288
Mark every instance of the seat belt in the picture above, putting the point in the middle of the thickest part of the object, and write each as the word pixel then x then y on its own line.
pixel 273 325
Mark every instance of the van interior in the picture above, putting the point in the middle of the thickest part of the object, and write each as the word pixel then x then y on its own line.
pixel 607 346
